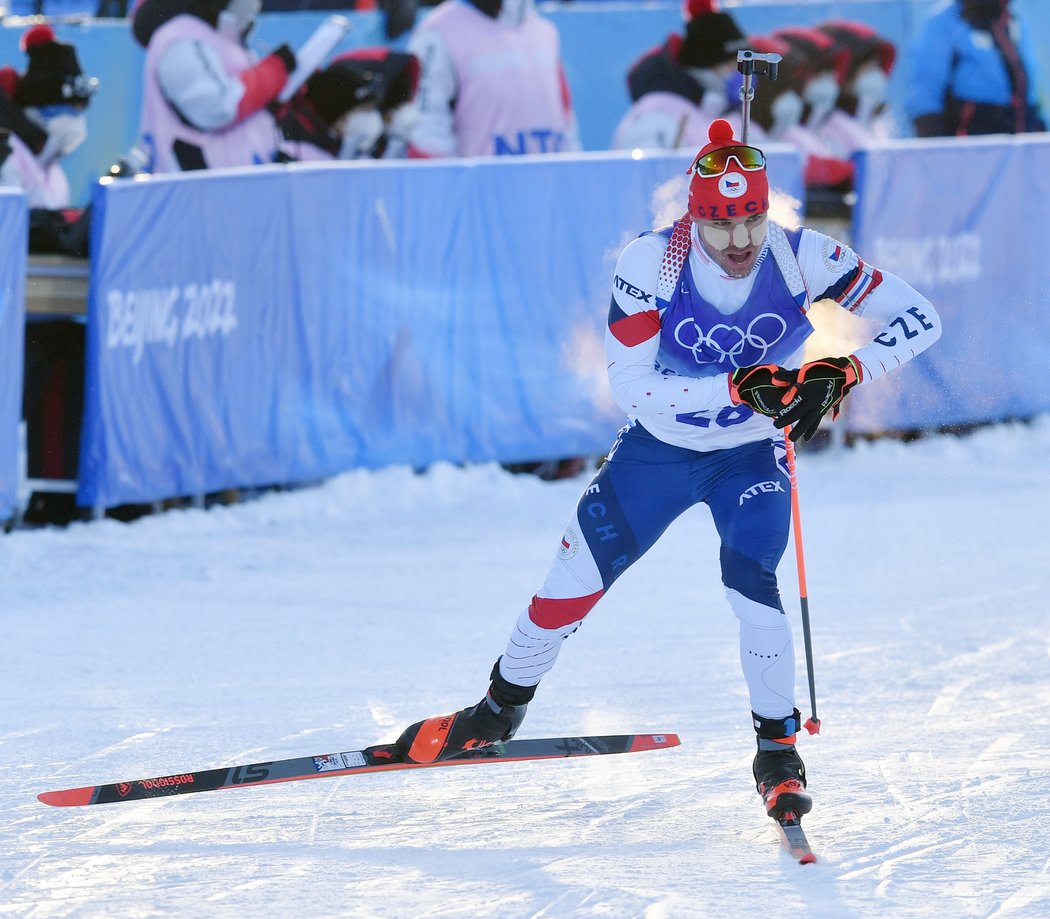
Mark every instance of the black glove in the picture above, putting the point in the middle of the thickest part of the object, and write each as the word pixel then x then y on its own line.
pixel 816 388
pixel 287 56
pixel 758 388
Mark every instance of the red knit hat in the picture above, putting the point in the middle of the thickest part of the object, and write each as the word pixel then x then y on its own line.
pixel 735 192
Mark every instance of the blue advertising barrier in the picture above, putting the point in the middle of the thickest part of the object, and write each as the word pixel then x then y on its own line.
pixel 285 323
pixel 964 220
pixel 14 225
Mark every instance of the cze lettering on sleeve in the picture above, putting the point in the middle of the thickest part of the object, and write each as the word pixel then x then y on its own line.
pixel 908 330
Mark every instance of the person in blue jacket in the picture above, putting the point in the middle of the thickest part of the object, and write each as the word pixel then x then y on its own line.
pixel 973 72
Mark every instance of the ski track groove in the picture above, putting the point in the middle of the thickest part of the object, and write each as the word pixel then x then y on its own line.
pixel 107 823
pixel 915 849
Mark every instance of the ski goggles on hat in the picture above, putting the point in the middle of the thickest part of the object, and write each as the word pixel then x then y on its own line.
pixel 716 162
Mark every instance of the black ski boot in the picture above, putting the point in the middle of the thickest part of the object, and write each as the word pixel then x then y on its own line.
pixel 780 775
pixel 494 719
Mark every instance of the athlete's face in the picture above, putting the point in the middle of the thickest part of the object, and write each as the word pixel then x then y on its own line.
pixel 734 242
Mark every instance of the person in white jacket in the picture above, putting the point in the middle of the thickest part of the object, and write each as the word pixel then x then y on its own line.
pixel 205 100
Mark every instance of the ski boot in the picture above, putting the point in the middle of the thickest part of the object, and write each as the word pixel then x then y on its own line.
pixel 780 775
pixel 494 719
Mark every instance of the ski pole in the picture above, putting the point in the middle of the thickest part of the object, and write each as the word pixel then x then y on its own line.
pixel 749 63
pixel 813 724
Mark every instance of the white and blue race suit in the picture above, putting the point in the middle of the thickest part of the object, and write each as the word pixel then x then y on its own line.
pixel 678 327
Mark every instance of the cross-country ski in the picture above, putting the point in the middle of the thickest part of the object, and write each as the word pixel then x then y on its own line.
pixel 357 762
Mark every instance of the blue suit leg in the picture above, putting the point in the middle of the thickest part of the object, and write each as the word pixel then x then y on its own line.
pixel 751 507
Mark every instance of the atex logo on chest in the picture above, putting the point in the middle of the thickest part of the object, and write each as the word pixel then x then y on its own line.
pixel 759 488
pixel 724 343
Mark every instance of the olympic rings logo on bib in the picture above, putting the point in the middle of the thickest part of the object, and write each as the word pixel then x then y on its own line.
pixel 728 343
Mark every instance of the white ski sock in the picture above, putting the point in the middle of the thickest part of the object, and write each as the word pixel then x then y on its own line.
pixel 767 656
pixel 532 651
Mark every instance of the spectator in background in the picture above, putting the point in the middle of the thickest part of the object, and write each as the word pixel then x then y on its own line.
pixel 51 96
pixel 205 97
pixel 800 102
pixel 973 72
pixel 817 82
pixel 358 107
pixel 679 88
pixel 776 110
pixel 491 82
pixel 862 92
pixel 846 98
pixel 12 119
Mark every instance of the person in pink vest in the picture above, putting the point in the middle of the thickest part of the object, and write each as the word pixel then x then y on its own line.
pixel 205 96
pixel 680 87
pixel 491 82
pixel 52 96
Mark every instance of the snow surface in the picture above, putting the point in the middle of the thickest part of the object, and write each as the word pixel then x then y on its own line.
pixel 327 619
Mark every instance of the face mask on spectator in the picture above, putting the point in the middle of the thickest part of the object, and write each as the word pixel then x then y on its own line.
pixel 869 86
pixel 712 89
pixel 402 120
pixel 821 92
pixel 361 132
pixel 238 19
pixel 66 127
pixel 787 111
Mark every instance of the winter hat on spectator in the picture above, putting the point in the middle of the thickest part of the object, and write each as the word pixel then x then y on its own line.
pixel 386 79
pixel 339 88
pixel 983 14
pixel 711 37
pixel 819 51
pixel 393 76
pixel 861 44
pixel 772 105
pixel 736 191
pixel 147 16
pixel 53 76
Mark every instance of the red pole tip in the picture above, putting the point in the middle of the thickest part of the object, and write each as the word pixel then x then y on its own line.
pixel 813 725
